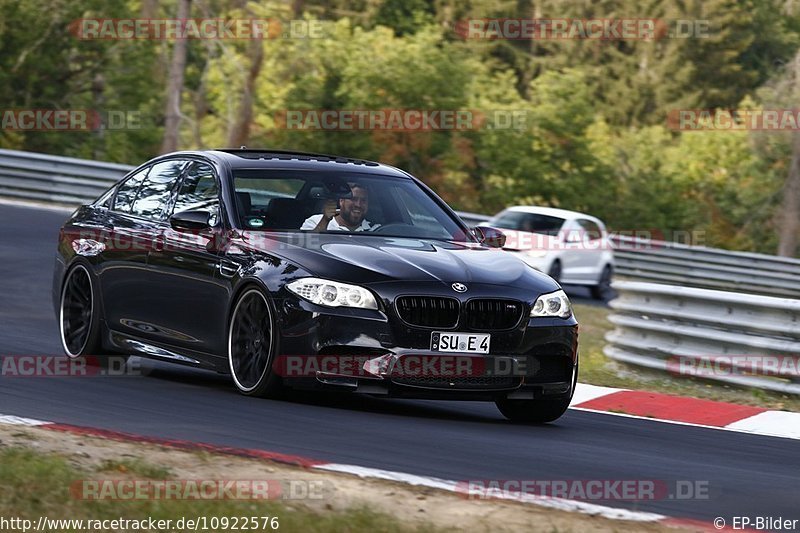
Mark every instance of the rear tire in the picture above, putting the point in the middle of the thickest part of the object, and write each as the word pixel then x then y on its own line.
pixel 79 317
pixel 79 320
pixel 602 290
pixel 252 344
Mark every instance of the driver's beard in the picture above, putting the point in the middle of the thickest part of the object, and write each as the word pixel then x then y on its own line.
pixel 349 219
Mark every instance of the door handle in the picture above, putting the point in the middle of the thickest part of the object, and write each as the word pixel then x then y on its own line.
pixel 159 243
pixel 228 268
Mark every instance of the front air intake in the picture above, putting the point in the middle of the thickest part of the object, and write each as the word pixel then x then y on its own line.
pixel 485 314
pixel 428 311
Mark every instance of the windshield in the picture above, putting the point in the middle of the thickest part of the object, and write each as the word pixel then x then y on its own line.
pixel 327 202
pixel 530 222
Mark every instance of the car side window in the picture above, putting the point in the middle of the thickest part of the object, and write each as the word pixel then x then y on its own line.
pixel 105 199
pixel 127 191
pixel 591 230
pixel 156 190
pixel 199 190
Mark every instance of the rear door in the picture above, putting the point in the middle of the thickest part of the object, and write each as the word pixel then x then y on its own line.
pixel 128 287
pixel 573 258
pixel 183 269
pixel 587 251
pixel 121 264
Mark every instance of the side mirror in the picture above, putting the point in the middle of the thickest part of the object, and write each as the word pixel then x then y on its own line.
pixel 491 237
pixel 190 220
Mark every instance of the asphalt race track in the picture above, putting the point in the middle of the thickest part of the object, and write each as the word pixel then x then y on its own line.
pixel 746 474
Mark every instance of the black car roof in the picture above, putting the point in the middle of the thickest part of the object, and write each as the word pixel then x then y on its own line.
pixel 271 158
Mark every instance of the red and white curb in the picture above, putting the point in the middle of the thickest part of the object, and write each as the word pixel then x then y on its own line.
pixel 686 411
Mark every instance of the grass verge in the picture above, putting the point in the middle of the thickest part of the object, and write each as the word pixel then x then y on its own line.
pixel 33 484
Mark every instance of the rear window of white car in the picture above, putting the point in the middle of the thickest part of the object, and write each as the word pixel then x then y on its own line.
pixel 530 222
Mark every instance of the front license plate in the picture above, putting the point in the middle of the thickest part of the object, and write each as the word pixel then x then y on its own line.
pixel 460 342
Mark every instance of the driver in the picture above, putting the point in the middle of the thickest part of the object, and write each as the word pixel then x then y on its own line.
pixel 348 215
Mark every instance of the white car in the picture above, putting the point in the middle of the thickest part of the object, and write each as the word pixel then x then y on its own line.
pixel 573 248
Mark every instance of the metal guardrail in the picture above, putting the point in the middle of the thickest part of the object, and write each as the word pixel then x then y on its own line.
pixel 711 268
pixel 55 179
pixel 711 334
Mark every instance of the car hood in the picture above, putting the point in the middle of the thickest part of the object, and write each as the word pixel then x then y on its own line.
pixel 375 259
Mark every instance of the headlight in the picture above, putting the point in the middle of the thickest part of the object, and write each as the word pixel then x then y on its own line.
pixel 552 304
pixel 332 293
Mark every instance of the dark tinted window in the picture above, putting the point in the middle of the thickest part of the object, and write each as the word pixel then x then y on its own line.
pixel 530 222
pixel 261 191
pixel 154 194
pixel 126 193
pixel 591 230
pixel 198 190
pixel 105 199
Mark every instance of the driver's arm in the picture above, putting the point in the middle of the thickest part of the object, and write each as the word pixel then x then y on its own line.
pixel 328 212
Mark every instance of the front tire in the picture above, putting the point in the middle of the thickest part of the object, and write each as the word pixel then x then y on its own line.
pixel 555 271
pixel 539 411
pixel 252 344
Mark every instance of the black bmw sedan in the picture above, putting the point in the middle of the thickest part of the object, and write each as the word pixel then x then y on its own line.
pixel 294 270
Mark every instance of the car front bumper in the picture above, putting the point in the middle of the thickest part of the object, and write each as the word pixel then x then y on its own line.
pixel 375 352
